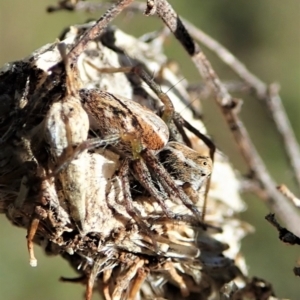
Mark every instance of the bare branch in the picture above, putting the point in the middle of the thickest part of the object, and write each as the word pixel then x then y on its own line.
pixel 78 6
pixel 284 235
pixel 250 186
pixel 97 30
pixel 86 6
pixel 268 94
pixel 232 86
pixel 289 195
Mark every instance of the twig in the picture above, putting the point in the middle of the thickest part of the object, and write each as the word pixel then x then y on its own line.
pixel 289 195
pixel 284 235
pixel 248 185
pixel 91 7
pixel 268 94
pixel 96 30
pixel 230 109
pixel 232 86
pixel 78 6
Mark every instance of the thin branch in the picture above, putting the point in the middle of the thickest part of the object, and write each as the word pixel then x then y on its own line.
pixel 90 7
pixel 233 86
pixel 230 109
pixel 284 235
pixel 96 30
pixel 268 94
pixel 248 185
pixel 289 195
pixel 78 6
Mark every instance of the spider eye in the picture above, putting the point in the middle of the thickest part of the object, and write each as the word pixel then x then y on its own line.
pixel 205 163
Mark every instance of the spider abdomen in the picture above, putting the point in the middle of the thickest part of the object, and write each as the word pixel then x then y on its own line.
pixel 113 115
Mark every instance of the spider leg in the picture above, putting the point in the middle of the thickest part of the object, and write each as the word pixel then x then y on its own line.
pixel 144 177
pixel 123 173
pixel 138 70
pixel 84 146
pixel 180 122
pixel 168 183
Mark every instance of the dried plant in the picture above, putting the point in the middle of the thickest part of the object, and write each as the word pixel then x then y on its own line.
pixel 100 167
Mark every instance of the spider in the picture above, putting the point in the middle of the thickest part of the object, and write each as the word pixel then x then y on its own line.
pixel 142 133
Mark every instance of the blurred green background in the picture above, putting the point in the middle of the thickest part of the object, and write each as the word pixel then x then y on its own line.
pixel 264 34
